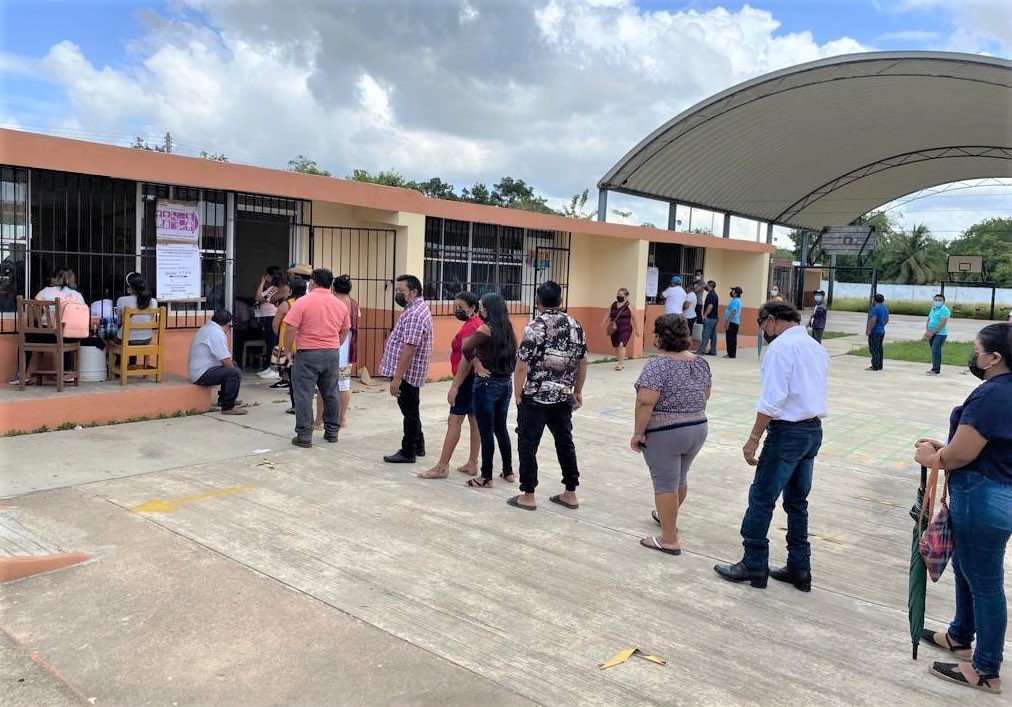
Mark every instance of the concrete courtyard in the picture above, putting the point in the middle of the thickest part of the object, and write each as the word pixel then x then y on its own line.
pixel 323 576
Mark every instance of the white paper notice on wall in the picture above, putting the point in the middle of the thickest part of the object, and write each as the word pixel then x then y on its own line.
pixel 177 250
pixel 653 277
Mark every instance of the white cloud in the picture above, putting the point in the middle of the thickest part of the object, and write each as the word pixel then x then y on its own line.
pixel 911 35
pixel 551 91
pixel 979 24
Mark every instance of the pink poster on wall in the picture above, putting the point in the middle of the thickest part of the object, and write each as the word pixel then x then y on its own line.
pixel 177 250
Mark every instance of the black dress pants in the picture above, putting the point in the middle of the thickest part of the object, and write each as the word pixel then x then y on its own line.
pixel 408 401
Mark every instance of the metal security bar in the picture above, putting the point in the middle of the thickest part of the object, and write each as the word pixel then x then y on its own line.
pixel 13 242
pixel 673 259
pixel 214 217
pixel 369 256
pixel 483 258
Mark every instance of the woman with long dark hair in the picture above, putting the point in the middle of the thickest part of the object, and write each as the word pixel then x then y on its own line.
pixel 138 296
pixel 978 464
pixel 492 352
pixel 271 291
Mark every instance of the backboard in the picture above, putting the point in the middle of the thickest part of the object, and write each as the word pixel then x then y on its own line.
pixel 966 265
pixel 847 240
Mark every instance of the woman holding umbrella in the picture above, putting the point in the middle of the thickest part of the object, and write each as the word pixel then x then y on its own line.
pixel 978 456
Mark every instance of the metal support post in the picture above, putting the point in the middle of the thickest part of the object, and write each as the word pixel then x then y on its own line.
pixel 602 205
pixel 672 216
pixel 727 226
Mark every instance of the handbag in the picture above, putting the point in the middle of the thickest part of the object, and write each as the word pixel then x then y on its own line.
pixel 279 357
pixel 935 544
pixel 612 327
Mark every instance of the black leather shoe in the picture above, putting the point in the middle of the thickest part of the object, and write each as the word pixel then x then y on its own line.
pixel 304 443
pixel 398 458
pixel 801 579
pixel 740 573
pixel 331 438
pixel 420 452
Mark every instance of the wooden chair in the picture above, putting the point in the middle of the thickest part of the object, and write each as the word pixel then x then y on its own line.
pixel 154 348
pixel 43 318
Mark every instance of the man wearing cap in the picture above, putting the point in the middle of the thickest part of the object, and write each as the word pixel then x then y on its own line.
pixel 674 296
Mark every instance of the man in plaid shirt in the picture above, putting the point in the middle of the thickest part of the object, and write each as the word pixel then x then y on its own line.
pixel 406 359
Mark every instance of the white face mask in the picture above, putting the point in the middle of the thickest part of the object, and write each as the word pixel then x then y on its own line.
pixel 774 293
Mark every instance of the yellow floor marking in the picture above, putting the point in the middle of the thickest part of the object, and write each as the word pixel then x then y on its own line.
pixel 157 505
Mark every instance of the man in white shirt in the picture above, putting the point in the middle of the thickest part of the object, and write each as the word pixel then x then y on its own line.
pixel 674 296
pixel 210 362
pixel 793 401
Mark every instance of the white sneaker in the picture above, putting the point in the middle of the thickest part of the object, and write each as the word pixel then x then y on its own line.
pixel 269 374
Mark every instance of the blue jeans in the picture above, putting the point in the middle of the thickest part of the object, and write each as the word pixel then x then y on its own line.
pixel 491 404
pixel 785 466
pixel 981 510
pixel 937 342
pixel 709 337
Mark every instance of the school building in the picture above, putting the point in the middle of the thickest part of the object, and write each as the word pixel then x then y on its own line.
pixel 91 207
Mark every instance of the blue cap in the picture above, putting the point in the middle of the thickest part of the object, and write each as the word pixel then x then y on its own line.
pixel 676 279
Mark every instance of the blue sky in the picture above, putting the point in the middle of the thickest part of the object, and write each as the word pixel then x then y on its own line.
pixel 332 84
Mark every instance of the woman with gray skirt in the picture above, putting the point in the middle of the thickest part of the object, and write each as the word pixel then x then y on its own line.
pixel 670 429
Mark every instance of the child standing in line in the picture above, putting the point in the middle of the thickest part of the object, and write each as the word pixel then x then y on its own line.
pixel 817 322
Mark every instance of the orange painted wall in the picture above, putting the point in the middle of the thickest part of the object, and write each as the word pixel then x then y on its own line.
pixel 110 402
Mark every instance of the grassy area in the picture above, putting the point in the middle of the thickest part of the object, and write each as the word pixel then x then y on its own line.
pixel 834 335
pixel 954 353
pixel 920 309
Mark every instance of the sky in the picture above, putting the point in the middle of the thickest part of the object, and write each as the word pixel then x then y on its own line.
pixel 550 91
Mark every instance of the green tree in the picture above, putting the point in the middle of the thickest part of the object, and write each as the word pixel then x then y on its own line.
pixel 912 258
pixel 213 156
pixel 991 238
pixel 165 146
pixel 477 194
pixel 575 208
pixel 303 164
pixel 436 188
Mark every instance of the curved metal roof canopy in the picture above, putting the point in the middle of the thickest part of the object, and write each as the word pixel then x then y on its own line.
pixel 823 143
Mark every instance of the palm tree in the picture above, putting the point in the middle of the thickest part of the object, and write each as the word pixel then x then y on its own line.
pixel 913 257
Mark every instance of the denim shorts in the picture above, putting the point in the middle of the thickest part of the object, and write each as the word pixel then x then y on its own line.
pixel 462 404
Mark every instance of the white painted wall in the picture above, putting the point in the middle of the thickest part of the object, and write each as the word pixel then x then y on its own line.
pixel 923 293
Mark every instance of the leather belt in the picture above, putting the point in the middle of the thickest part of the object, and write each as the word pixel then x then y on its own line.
pixel 794 422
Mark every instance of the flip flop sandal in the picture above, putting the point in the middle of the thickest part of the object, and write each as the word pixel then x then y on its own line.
pixel 929 638
pixel 952 673
pixel 515 502
pixel 653 514
pixel 558 499
pixel 481 483
pixel 510 478
pixel 657 546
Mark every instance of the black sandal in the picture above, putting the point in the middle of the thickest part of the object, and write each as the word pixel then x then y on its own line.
pixel 952 673
pixel 929 637
pixel 480 483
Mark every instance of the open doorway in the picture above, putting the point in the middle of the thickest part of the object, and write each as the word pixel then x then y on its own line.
pixel 261 240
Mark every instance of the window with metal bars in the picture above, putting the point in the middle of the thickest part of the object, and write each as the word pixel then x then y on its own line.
pixel 673 259
pixel 483 258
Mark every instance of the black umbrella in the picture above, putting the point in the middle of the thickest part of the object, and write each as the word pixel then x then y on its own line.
pixel 918 571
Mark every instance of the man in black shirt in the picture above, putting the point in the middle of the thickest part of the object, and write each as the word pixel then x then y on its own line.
pixel 710 306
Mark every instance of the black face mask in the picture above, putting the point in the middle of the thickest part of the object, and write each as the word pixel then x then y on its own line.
pixel 976 370
pixel 768 338
pixel 461 314
pixel 620 298
pixel 401 299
